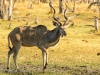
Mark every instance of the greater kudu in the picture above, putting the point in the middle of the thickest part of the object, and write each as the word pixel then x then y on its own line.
pixel 35 36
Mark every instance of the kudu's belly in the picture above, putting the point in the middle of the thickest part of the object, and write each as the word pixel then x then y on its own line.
pixel 28 40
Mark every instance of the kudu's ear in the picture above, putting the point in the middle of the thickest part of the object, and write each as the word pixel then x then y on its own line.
pixel 55 23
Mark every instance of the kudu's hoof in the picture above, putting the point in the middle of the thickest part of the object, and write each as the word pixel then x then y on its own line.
pixel 18 70
pixel 7 70
pixel 44 67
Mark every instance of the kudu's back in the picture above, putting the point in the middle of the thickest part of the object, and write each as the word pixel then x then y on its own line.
pixel 28 36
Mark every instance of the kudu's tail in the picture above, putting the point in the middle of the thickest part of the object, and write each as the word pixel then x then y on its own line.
pixel 9 41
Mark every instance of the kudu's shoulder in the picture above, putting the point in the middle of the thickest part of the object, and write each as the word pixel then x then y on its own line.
pixel 41 29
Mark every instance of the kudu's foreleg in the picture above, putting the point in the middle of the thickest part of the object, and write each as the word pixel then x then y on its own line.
pixel 15 58
pixel 45 58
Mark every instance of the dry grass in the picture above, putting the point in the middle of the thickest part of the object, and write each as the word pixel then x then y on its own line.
pixel 75 54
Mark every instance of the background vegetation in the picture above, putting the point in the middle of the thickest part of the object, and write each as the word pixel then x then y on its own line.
pixel 75 54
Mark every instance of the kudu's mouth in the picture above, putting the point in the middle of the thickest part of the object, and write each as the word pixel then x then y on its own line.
pixel 64 34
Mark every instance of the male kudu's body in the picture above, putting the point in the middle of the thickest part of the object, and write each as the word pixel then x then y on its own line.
pixel 32 36
pixel 38 36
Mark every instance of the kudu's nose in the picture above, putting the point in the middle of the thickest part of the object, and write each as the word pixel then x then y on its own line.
pixel 65 34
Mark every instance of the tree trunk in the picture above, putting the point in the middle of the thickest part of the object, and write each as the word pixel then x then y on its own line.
pixel 38 1
pixel 3 9
pixel 29 4
pixel 92 4
pixel 20 0
pixel 44 1
pixel 61 7
pixel 14 4
pixel 98 4
pixel 96 23
pixel 10 10
pixel 74 6
pixel 87 1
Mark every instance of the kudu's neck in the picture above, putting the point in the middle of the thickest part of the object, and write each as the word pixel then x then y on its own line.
pixel 53 36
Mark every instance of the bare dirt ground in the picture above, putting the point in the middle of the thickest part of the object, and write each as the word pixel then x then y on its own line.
pixel 29 69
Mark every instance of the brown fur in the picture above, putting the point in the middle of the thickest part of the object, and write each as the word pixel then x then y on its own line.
pixel 29 36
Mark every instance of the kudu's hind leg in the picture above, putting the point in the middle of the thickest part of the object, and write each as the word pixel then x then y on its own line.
pixel 15 57
pixel 15 51
pixel 9 54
